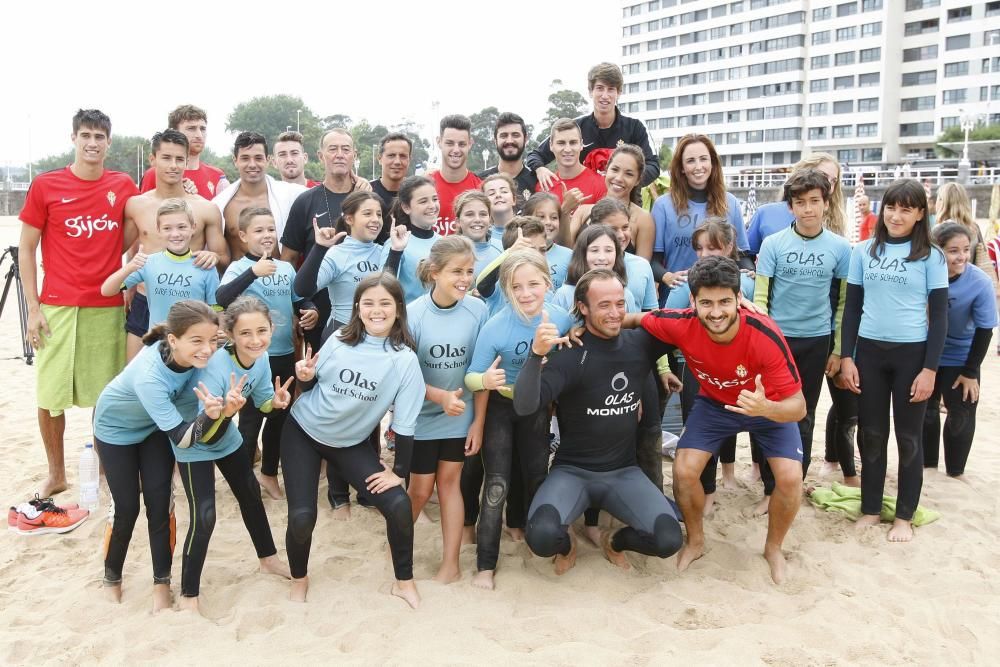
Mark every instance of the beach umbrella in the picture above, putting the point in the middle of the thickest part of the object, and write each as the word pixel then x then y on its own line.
pixel 859 192
pixel 751 205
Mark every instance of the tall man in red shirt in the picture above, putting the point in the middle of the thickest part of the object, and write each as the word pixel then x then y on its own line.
pixel 573 183
pixel 201 179
pixel 454 178
pixel 76 214
pixel 749 382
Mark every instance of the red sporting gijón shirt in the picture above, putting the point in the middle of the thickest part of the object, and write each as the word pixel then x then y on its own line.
pixel 724 370
pixel 588 181
pixel 82 234
pixel 447 191
pixel 206 178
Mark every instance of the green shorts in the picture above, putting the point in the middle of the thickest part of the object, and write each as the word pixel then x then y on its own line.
pixel 84 353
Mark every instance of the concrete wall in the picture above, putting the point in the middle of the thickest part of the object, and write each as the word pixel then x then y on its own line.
pixel 11 203
pixel 981 193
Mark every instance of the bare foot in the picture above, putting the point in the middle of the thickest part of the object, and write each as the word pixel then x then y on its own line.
pixel 484 579
pixel 828 468
pixel 113 593
pixel 854 481
pixel 161 597
pixel 709 504
pixel 901 531
pixel 448 574
pixel 867 521
pixel 776 560
pixel 274 565
pixel 593 535
pixel 271 487
pixel 617 558
pixel 52 486
pixel 297 593
pixel 408 591
pixel 189 604
pixel 516 534
pixel 689 554
pixel 564 564
pixel 342 513
pixel 761 508
pixel 423 518
pixel 468 535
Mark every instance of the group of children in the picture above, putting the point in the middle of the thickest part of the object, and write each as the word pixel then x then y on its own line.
pixel 435 330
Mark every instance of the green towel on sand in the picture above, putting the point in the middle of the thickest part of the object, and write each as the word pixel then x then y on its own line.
pixel 847 501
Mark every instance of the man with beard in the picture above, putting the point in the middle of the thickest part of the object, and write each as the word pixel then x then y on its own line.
pixel 253 189
pixel 734 354
pixel 290 158
pixel 394 152
pixel 510 135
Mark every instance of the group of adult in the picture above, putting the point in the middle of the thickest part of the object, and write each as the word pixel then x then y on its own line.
pixel 444 299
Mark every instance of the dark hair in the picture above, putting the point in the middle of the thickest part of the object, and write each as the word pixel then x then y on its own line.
pixel 537 199
pixel 604 208
pixel 578 262
pixel 350 206
pixel 456 122
pixel 443 251
pixel 169 136
pixel 291 135
pixel 633 151
pixel 609 73
pixel 509 118
pixel 249 213
pixel 241 306
pixel 247 140
pixel 946 231
pixel 92 118
pixel 185 112
pixel 564 125
pixel 393 136
pixel 409 185
pixel 910 193
pixel 182 316
pixel 804 181
pixel 714 272
pixel 583 285
pixel 354 332
pixel 529 227
pixel 719 232
pixel 716 186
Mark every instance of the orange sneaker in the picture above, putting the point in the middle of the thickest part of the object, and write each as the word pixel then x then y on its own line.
pixel 50 519
pixel 35 503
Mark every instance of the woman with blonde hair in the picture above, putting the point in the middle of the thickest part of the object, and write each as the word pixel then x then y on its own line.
pixel 953 205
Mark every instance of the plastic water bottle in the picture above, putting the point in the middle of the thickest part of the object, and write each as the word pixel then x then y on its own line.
pixel 90 490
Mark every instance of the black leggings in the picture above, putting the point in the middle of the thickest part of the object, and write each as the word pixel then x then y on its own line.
pixel 810 356
pixel 506 432
pixel 251 418
pixel 841 424
pixel 627 494
pixel 887 371
pixel 959 425
pixel 150 462
pixel 198 478
pixel 471 482
pixel 300 459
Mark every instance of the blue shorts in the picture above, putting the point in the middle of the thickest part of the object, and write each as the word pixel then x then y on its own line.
pixel 137 320
pixel 709 423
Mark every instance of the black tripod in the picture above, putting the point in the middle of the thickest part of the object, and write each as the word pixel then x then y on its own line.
pixel 14 275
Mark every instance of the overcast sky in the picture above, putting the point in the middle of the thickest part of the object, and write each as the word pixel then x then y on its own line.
pixel 384 60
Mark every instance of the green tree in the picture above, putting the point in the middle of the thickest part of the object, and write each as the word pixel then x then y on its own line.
pixel 366 139
pixel 666 155
pixel 483 123
pixel 272 115
pixel 563 103
pixel 955 134
pixel 421 147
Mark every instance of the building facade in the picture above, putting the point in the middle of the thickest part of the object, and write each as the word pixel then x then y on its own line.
pixel 873 82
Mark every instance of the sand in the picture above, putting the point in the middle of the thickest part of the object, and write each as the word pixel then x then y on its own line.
pixel 847 600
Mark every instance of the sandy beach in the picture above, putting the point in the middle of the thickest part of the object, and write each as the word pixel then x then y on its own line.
pixel 849 598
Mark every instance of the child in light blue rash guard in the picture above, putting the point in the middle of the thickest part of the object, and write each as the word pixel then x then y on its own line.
pixel 169 275
pixel 416 207
pixel 339 268
pixel 139 413
pixel 558 258
pixel 596 247
pixel 445 324
pixel 641 283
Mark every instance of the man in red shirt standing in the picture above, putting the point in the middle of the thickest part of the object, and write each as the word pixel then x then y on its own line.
pixel 76 214
pixel 454 178
pixel 868 219
pixel 199 179
pixel 573 183
pixel 749 382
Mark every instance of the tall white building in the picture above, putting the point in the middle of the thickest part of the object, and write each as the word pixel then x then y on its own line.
pixel 870 81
